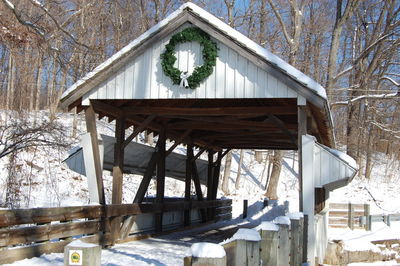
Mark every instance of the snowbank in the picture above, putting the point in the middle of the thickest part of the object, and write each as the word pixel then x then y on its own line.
pixel 244 234
pixel 267 226
pixel 207 250
pixel 282 220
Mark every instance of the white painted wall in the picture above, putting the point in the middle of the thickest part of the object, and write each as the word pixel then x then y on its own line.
pixel 320 167
pixel 234 77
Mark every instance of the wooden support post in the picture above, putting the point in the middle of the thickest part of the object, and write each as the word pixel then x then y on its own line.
pixel 210 181
pixel 302 130
pixel 295 244
pixel 305 238
pixel 160 178
pixel 199 193
pixel 92 129
pixel 188 181
pixel 216 170
pixel 283 244
pixel 367 214
pixel 118 170
pixel 386 219
pixel 245 204
pixel 269 245
pixel 351 216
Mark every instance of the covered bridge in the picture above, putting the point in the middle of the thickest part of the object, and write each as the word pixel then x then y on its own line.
pixel 247 98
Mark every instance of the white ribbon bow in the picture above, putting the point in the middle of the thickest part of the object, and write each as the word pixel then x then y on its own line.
pixel 184 82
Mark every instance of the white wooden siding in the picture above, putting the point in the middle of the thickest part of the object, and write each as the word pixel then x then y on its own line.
pixel 233 77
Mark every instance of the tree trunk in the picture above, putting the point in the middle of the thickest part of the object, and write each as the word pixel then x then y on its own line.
pixel 239 170
pixel 274 179
pixel 227 173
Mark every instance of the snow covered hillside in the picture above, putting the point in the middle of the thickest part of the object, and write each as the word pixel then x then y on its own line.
pixel 44 180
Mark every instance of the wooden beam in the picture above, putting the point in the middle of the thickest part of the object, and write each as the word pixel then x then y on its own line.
pixel 280 124
pixel 92 129
pixel 210 171
pixel 136 120
pixel 178 141
pixel 139 129
pixel 210 111
pixel 141 192
pixel 199 193
pixel 302 130
pixel 188 181
pixel 160 178
pixel 231 125
pixel 118 170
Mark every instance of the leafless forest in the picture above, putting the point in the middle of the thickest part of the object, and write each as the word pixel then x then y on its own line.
pixel 351 47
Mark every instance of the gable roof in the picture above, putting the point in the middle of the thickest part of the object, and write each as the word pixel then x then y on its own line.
pixel 68 96
pixel 189 12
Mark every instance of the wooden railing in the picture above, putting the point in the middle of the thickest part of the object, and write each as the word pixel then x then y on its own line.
pixel 26 233
pixel 348 215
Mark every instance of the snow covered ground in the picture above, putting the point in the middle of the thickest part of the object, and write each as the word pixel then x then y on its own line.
pixel 46 181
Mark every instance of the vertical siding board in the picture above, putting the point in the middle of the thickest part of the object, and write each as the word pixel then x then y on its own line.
pixel 325 158
pixel 119 84
pixel 136 77
pixel 252 79
pixel 272 86
pixel 258 88
pixel 317 166
pixel 230 74
pixel 141 78
pixel 154 84
pixel 281 90
pixel 128 81
pixel 111 88
pixel 200 92
pixel 291 93
pixel 220 72
pixel 240 73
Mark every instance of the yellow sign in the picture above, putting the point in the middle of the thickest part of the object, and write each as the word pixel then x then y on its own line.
pixel 75 257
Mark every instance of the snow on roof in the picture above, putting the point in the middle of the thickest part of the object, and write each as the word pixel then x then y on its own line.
pixel 349 160
pixel 295 215
pixel 207 250
pixel 244 234
pixel 267 226
pixel 282 220
pixel 239 37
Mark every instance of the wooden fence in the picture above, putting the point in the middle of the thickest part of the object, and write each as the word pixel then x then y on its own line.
pixel 26 233
pixel 343 215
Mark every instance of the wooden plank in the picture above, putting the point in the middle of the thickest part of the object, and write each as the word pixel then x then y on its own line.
pixel 20 253
pixel 199 193
pixel 280 124
pixel 27 235
pixel 118 161
pixel 92 129
pixel 211 111
pixel 160 178
pixel 302 130
pixel 139 129
pixel 118 170
pixel 188 181
pixel 46 215
pixel 335 206
pixel 178 141
pixel 343 213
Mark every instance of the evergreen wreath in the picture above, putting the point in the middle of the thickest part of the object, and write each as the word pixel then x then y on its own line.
pixel 210 53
